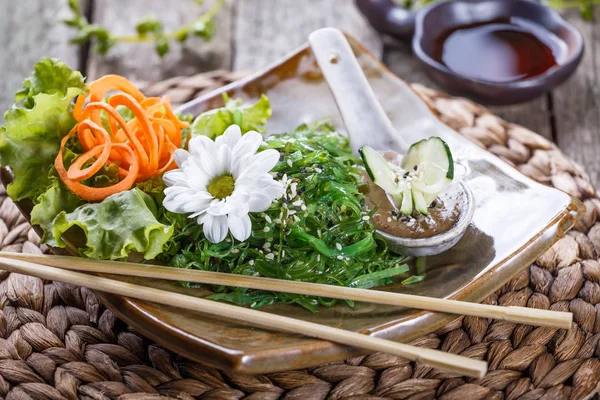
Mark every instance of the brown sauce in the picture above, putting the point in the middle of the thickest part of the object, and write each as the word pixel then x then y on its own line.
pixel 444 213
pixel 497 51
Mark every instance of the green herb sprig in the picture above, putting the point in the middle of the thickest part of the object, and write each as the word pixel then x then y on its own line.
pixel 148 29
pixel 586 7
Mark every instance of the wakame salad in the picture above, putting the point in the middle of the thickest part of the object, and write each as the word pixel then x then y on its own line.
pixel 115 175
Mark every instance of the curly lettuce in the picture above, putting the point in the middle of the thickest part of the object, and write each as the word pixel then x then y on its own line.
pixel 121 224
pixel 35 125
pixel 52 202
pixel 50 76
pixel 248 117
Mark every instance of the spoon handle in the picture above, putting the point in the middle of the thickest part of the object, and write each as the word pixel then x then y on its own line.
pixel 365 119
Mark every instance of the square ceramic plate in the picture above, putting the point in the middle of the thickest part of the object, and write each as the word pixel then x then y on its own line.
pixel 515 221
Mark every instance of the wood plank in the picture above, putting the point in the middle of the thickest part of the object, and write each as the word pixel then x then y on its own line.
pixel 29 30
pixel 139 61
pixel 534 115
pixel 265 30
pixel 577 103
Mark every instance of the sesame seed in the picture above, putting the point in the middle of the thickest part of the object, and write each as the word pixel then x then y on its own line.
pixel 291 140
pixel 270 256
pixel 297 203
pixel 318 170
pixel 389 219
pixel 296 218
pixel 268 219
pixel 282 253
pixel 277 220
pixel 266 245
pixel 289 162
pixel 235 251
pixel 303 207
pixel 251 262
pixel 366 218
pixel 340 257
pixel 293 188
pixel 318 257
pixel 292 212
pixel 267 229
pixel 338 246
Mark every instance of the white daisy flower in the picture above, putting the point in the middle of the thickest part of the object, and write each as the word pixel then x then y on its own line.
pixel 219 182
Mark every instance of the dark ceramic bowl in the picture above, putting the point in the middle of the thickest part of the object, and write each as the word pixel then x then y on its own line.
pixel 439 18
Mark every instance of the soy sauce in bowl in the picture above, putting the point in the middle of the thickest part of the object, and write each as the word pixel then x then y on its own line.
pixel 496 51
pixel 501 50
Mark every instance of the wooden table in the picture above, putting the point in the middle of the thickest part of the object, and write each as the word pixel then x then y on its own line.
pixel 252 33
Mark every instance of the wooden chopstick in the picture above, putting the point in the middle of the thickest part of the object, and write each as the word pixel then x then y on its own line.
pixel 523 315
pixel 433 358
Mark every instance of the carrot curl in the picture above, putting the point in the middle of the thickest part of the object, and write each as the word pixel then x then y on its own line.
pixel 141 148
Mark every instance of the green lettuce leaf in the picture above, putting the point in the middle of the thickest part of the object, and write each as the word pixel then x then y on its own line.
pixel 31 138
pixel 49 76
pixel 121 224
pixel 51 203
pixel 249 117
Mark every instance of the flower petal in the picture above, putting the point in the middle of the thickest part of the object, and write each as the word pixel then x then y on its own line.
pixel 175 177
pixel 224 160
pixel 239 164
pixel 248 144
pixel 267 184
pixel 239 226
pixel 230 137
pixel 209 163
pixel 261 162
pixel 180 156
pixel 180 199
pixel 201 217
pixel 215 228
pixel 198 145
pixel 259 201
pixel 196 177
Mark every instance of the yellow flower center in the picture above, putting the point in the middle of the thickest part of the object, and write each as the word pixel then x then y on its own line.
pixel 221 186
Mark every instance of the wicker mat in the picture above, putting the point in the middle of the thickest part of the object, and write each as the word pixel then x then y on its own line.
pixel 57 341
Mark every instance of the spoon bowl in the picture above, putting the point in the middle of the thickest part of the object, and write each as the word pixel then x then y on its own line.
pixel 367 124
pixel 430 246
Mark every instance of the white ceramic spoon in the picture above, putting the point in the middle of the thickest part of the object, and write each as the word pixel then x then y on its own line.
pixel 367 124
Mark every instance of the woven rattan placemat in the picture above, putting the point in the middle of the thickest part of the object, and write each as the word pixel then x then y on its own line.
pixel 58 342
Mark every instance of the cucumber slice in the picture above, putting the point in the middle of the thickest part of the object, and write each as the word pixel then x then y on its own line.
pixel 380 170
pixel 420 203
pixel 433 150
pixel 427 168
pixel 406 207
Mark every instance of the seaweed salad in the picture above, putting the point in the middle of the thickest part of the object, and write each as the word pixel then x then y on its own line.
pixel 115 175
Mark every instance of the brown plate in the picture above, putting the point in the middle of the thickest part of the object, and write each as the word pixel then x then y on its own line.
pixel 515 221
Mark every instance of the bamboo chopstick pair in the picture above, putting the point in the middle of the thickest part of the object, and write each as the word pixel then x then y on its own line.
pixel 61 268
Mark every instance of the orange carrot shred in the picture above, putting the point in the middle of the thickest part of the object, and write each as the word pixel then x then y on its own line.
pixel 141 148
